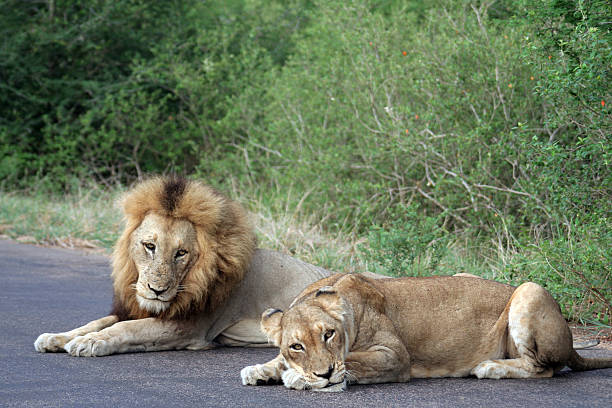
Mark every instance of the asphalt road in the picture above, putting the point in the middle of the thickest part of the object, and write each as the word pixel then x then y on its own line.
pixel 49 290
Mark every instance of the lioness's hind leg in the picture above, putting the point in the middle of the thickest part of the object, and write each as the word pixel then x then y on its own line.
pixel 54 342
pixel 539 340
pixel 510 368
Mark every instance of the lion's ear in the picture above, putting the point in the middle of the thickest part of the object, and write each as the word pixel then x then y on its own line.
pixel 271 325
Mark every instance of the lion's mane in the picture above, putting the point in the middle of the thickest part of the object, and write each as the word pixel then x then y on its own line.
pixel 225 240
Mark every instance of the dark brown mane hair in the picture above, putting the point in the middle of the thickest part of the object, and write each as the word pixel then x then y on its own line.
pixel 225 236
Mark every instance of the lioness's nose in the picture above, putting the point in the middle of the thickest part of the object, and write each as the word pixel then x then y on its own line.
pixel 157 292
pixel 328 374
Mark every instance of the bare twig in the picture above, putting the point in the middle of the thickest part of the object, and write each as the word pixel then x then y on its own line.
pixel 438 204
pixel 504 189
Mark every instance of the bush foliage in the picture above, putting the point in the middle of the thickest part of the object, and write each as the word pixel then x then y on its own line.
pixel 423 126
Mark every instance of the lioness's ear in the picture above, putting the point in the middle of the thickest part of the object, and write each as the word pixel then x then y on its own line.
pixel 325 290
pixel 271 325
pixel 332 302
pixel 365 289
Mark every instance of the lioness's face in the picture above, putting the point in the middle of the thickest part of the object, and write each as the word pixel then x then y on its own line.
pixel 313 344
pixel 163 250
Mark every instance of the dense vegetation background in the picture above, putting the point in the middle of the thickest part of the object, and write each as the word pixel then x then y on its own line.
pixel 441 136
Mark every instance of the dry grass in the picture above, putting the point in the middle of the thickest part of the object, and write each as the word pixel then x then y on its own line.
pixel 90 220
pixel 281 225
pixel 85 220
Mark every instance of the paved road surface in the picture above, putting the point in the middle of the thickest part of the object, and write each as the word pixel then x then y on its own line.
pixel 45 290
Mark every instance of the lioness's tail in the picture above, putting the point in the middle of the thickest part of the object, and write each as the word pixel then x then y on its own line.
pixel 585 344
pixel 579 363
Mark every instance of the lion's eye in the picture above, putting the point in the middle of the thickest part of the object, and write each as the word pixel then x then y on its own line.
pixel 329 334
pixel 180 252
pixel 296 347
pixel 149 246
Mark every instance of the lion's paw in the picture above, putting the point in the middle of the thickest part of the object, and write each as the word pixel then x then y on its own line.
pixel 51 342
pixel 89 345
pixel 292 379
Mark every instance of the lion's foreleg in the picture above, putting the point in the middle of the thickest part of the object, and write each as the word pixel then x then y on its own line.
pixel 260 374
pixel 54 342
pixel 148 334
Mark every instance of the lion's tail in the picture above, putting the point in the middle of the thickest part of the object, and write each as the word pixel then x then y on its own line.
pixel 579 363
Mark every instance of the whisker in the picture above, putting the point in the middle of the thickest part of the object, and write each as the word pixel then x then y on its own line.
pixel 350 377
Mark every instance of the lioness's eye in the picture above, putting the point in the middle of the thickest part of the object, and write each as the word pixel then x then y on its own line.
pixel 329 334
pixel 296 347
pixel 180 252
pixel 149 246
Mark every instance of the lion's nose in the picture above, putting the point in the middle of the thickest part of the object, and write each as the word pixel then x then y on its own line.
pixel 328 374
pixel 157 292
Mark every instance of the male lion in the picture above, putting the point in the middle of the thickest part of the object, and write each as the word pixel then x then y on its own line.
pixel 186 275
pixel 348 328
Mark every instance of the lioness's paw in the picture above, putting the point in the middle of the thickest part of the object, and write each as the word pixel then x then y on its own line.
pixel 339 387
pixel 488 369
pixel 292 379
pixel 88 346
pixel 50 342
pixel 254 375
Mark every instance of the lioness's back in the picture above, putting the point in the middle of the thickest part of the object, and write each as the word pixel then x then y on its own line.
pixel 441 292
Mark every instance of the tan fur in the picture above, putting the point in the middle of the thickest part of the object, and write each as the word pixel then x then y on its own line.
pixel 390 330
pixel 186 275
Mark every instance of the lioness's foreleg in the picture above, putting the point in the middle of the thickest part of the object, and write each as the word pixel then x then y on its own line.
pixel 148 334
pixel 54 342
pixel 386 361
pixel 260 374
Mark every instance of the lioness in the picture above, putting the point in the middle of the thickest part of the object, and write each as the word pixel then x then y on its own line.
pixel 186 275
pixel 351 329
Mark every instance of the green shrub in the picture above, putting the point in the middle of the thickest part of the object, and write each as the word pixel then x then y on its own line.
pixel 113 89
pixel 411 244
pixel 570 44
pixel 575 268
pixel 58 59
pixel 392 111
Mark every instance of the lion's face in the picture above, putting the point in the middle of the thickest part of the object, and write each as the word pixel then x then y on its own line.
pixel 163 250
pixel 184 248
pixel 312 341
